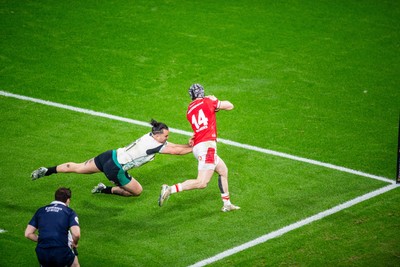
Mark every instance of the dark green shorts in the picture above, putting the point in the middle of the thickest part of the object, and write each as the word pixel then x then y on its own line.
pixel 108 164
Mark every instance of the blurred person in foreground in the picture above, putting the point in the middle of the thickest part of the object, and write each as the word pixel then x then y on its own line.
pixel 59 232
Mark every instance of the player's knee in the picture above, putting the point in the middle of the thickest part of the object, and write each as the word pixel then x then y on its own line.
pixel 137 191
pixel 223 172
pixel 133 188
pixel 202 185
pixel 130 194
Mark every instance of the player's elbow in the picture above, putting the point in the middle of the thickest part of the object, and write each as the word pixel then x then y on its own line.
pixel 226 105
pixel 76 232
pixel 31 236
pixel 77 236
pixel 30 233
pixel 27 235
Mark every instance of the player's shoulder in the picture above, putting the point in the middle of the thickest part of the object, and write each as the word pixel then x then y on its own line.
pixel 196 102
pixel 41 209
pixel 211 101
pixel 66 209
pixel 151 142
pixel 71 212
pixel 144 138
pixel 211 98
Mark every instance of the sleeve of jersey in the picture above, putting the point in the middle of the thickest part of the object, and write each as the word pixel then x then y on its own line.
pixel 33 221
pixel 215 104
pixel 73 219
pixel 162 147
pixel 155 150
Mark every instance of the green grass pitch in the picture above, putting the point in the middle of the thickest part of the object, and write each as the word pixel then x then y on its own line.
pixel 315 79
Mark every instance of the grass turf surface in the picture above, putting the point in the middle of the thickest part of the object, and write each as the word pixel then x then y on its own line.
pixel 314 79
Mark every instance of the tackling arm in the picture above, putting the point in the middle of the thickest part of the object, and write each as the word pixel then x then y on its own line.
pixel 176 149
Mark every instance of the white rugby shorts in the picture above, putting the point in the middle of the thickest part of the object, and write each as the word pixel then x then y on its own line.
pixel 206 154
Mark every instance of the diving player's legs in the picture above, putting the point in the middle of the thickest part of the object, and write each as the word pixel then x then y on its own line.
pixel 125 185
pixel 87 167
pixel 133 188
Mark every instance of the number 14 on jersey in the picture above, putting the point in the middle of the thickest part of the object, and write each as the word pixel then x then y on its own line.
pixel 201 121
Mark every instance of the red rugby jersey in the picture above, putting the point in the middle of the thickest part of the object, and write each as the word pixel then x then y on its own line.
pixel 201 116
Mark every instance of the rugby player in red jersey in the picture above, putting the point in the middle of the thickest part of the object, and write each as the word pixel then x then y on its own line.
pixel 201 116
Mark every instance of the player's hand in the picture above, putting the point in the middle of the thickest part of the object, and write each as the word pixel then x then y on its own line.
pixel 74 245
pixel 191 141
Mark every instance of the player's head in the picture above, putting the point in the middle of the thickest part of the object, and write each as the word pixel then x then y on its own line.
pixel 158 127
pixel 62 194
pixel 196 91
pixel 159 131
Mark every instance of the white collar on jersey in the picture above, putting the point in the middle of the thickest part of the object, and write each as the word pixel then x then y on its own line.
pixel 58 202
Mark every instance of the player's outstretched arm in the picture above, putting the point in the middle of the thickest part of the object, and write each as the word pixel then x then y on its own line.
pixel 176 149
pixel 225 105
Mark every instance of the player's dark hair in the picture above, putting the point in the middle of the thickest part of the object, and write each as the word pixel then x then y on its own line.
pixel 62 194
pixel 158 127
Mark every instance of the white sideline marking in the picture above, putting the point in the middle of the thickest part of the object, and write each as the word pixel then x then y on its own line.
pixel 310 161
pixel 220 140
pixel 263 238
pixel 294 226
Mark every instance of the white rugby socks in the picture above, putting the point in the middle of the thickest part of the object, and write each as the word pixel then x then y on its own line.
pixel 176 188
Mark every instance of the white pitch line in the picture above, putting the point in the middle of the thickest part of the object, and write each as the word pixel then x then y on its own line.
pixel 266 237
pixel 294 226
pixel 310 161
pixel 220 140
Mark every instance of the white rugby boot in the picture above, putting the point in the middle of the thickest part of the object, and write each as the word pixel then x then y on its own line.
pixel 98 188
pixel 164 195
pixel 230 207
pixel 39 173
